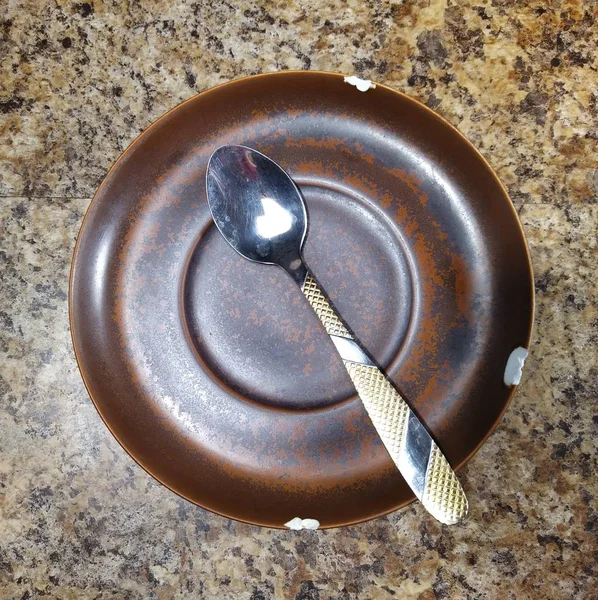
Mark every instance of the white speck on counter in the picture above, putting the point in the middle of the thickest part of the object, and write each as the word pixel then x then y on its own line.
pixel 514 367
pixel 297 524
pixel 363 85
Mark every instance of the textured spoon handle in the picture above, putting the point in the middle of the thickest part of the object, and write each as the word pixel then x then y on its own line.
pixel 408 442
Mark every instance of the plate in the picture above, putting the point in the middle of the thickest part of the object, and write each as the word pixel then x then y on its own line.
pixel 213 373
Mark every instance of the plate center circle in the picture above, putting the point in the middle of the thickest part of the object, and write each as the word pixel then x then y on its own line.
pixel 252 329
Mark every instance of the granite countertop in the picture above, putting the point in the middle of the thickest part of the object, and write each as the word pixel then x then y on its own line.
pixel 78 81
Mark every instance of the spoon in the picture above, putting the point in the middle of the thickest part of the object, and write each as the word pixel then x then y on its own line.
pixel 260 212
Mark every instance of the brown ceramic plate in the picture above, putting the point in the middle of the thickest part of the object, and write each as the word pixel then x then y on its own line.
pixel 212 371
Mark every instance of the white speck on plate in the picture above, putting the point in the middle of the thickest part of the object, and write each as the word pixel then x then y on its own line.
pixel 363 85
pixel 514 367
pixel 297 524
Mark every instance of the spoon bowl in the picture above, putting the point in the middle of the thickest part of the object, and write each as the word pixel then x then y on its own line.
pixel 257 208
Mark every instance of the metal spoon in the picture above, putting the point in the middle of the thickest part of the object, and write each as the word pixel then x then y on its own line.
pixel 260 212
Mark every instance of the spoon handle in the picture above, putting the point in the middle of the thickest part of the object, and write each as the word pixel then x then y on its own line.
pixel 412 449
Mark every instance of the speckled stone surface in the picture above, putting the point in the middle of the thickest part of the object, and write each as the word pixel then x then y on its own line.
pixel 78 81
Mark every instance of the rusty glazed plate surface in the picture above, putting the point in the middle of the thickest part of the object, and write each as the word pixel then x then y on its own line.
pixel 212 371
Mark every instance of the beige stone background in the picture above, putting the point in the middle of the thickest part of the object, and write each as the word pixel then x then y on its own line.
pixel 78 82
